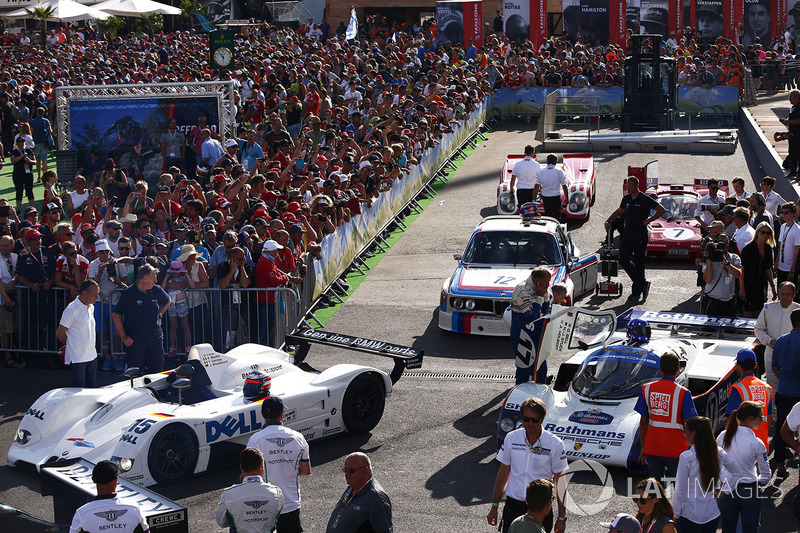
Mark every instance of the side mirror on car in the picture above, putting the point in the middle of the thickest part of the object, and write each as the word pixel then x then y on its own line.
pixel 457 257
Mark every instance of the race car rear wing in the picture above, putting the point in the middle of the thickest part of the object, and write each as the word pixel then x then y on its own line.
pixel 689 322
pixel 404 356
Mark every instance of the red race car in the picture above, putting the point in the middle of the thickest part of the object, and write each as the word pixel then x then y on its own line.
pixel 677 233
pixel 580 173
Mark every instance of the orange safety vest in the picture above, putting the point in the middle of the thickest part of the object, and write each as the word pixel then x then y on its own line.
pixel 664 399
pixel 752 389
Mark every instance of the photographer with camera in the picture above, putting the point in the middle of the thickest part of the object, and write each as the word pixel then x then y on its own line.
pixel 709 205
pixel 720 270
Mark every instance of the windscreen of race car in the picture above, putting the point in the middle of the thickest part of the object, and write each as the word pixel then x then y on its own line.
pixel 615 373
pixel 678 206
pixel 512 248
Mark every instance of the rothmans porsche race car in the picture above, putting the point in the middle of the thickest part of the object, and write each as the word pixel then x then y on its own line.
pixel 579 170
pixel 155 440
pixel 591 403
pixel 500 254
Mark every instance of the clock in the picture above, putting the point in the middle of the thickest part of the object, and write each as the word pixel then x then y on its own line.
pixel 223 56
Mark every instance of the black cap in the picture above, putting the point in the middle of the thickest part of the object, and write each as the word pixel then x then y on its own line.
pixel 329 183
pixel 272 407
pixel 104 472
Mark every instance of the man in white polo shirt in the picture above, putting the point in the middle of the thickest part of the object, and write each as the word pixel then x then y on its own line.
pixel 77 331
pixel 789 244
pixel 528 453
pixel 524 176
pixel 552 183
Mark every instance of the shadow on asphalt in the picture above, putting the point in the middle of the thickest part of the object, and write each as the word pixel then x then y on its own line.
pixel 459 345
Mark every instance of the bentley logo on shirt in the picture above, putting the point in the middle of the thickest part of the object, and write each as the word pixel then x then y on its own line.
pixel 112 515
pixel 278 441
pixel 256 504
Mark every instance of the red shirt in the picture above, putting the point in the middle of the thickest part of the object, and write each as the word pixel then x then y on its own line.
pixel 66 273
pixel 268 276
pixel 285 260
pixel 312 104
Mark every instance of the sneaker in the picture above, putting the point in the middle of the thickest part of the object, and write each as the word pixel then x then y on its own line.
pixel 106 365
pixel 172 352
pixel 118 365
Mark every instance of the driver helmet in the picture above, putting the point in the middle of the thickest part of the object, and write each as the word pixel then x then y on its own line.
pixel 256 385
pixel 638 330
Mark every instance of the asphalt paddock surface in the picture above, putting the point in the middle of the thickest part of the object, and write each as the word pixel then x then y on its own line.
pixel 434 449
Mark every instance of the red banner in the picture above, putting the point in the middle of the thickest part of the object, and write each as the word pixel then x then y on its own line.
pixel 729 20
pixel 676 19
pixel 618 22
pixel 538 22
pixel 780 10
pixel 473 23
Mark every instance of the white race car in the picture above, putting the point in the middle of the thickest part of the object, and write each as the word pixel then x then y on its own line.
pixel 156 441
pixel 579 170
pixel 500 254
pixel 591 404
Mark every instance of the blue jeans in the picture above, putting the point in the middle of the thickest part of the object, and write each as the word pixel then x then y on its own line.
pixel 84 374
pixel 687 526
pixel 742 503
pixel 657 465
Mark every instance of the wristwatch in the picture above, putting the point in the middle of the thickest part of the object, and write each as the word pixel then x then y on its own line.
pixel 562 518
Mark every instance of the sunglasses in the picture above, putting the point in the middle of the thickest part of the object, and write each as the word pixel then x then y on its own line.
pixel 786 213
pixel 121 249
pixel 534 419
pixel 641 500
pixel 765 232
pixel 352 470
pixel 72 254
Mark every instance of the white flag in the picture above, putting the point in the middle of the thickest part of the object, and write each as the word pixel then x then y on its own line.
pixel 352 28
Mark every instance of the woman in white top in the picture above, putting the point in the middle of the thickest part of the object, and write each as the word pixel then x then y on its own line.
pixel 740 493
pixel 24 130
pixel 698 476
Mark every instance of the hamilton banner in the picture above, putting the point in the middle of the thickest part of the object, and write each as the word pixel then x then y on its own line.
pixel 458 22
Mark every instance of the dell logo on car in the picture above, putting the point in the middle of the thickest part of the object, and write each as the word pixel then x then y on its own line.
pixel 231 426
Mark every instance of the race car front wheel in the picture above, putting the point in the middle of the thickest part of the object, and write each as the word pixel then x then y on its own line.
pixel 173 454
pixel 363 403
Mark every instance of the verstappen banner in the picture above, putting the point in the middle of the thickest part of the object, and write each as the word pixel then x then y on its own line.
pixel 708 17
pixel 458 22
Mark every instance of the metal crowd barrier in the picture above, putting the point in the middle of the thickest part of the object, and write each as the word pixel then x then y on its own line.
pixel 223 318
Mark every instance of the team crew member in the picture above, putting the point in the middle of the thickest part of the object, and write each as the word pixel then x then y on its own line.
pixel 751 389
pixel 530 301
pixel 552 182
pixel 636 209
pixel 786 366
pixel 524 176
pixel 528 453
pixel 740 498
pixel 106 512
pixel 364 506
pixel 539 499
pixel 709 204
pixel 253 505
pixel 664 406
pixel 136 318
pixel 286 455
pixel 773 200
pixel 77 331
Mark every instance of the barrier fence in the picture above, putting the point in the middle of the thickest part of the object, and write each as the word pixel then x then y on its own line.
pixel 223 318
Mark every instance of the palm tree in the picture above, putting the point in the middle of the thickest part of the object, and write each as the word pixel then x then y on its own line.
pixel 151 23
pixel 43 14
pixel 111 26
pixel 189 8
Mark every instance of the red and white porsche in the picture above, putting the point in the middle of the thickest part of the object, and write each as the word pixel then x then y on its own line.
pixel 677 234
pixel 580 173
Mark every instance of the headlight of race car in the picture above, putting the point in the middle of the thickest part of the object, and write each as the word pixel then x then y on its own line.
pixel 22 436
pixel 506 200
pixel 507 425
pixel 124 463
pixel 577 201
pixel 470 304
pixel 458 303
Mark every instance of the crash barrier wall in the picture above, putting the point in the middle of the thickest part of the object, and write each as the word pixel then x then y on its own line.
pixel 340 248
pixel 224 318
pixel 723 100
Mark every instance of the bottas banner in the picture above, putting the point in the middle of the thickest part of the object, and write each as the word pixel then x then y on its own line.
pixel 458 22
pixel 525 19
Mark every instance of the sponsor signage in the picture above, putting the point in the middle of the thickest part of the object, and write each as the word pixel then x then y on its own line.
pixel 591 418
pixel 687 319
pixel 411 356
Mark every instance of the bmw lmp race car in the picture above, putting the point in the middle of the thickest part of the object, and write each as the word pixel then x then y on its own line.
pixel 500 254
pixel 579 170
pixel 591 404
pixel 156 441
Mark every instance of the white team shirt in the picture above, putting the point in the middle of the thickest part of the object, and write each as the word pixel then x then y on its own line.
pixel 750 455
pixel 691 499
pixel 525 172
pixel 743 236
pixel 744 196
pixel 252 506
pixel 283 450
pixel 547 458
pixel 708 216
pixel 78 318
pixel 790 237
pixel 108 514
pixel 774 202
pixel 550 179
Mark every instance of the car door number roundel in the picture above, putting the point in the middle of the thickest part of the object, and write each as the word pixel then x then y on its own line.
pixel 678 234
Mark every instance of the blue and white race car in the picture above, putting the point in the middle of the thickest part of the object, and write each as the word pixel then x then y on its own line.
pixel 591 403
pixel 500 254
pixel 156 440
